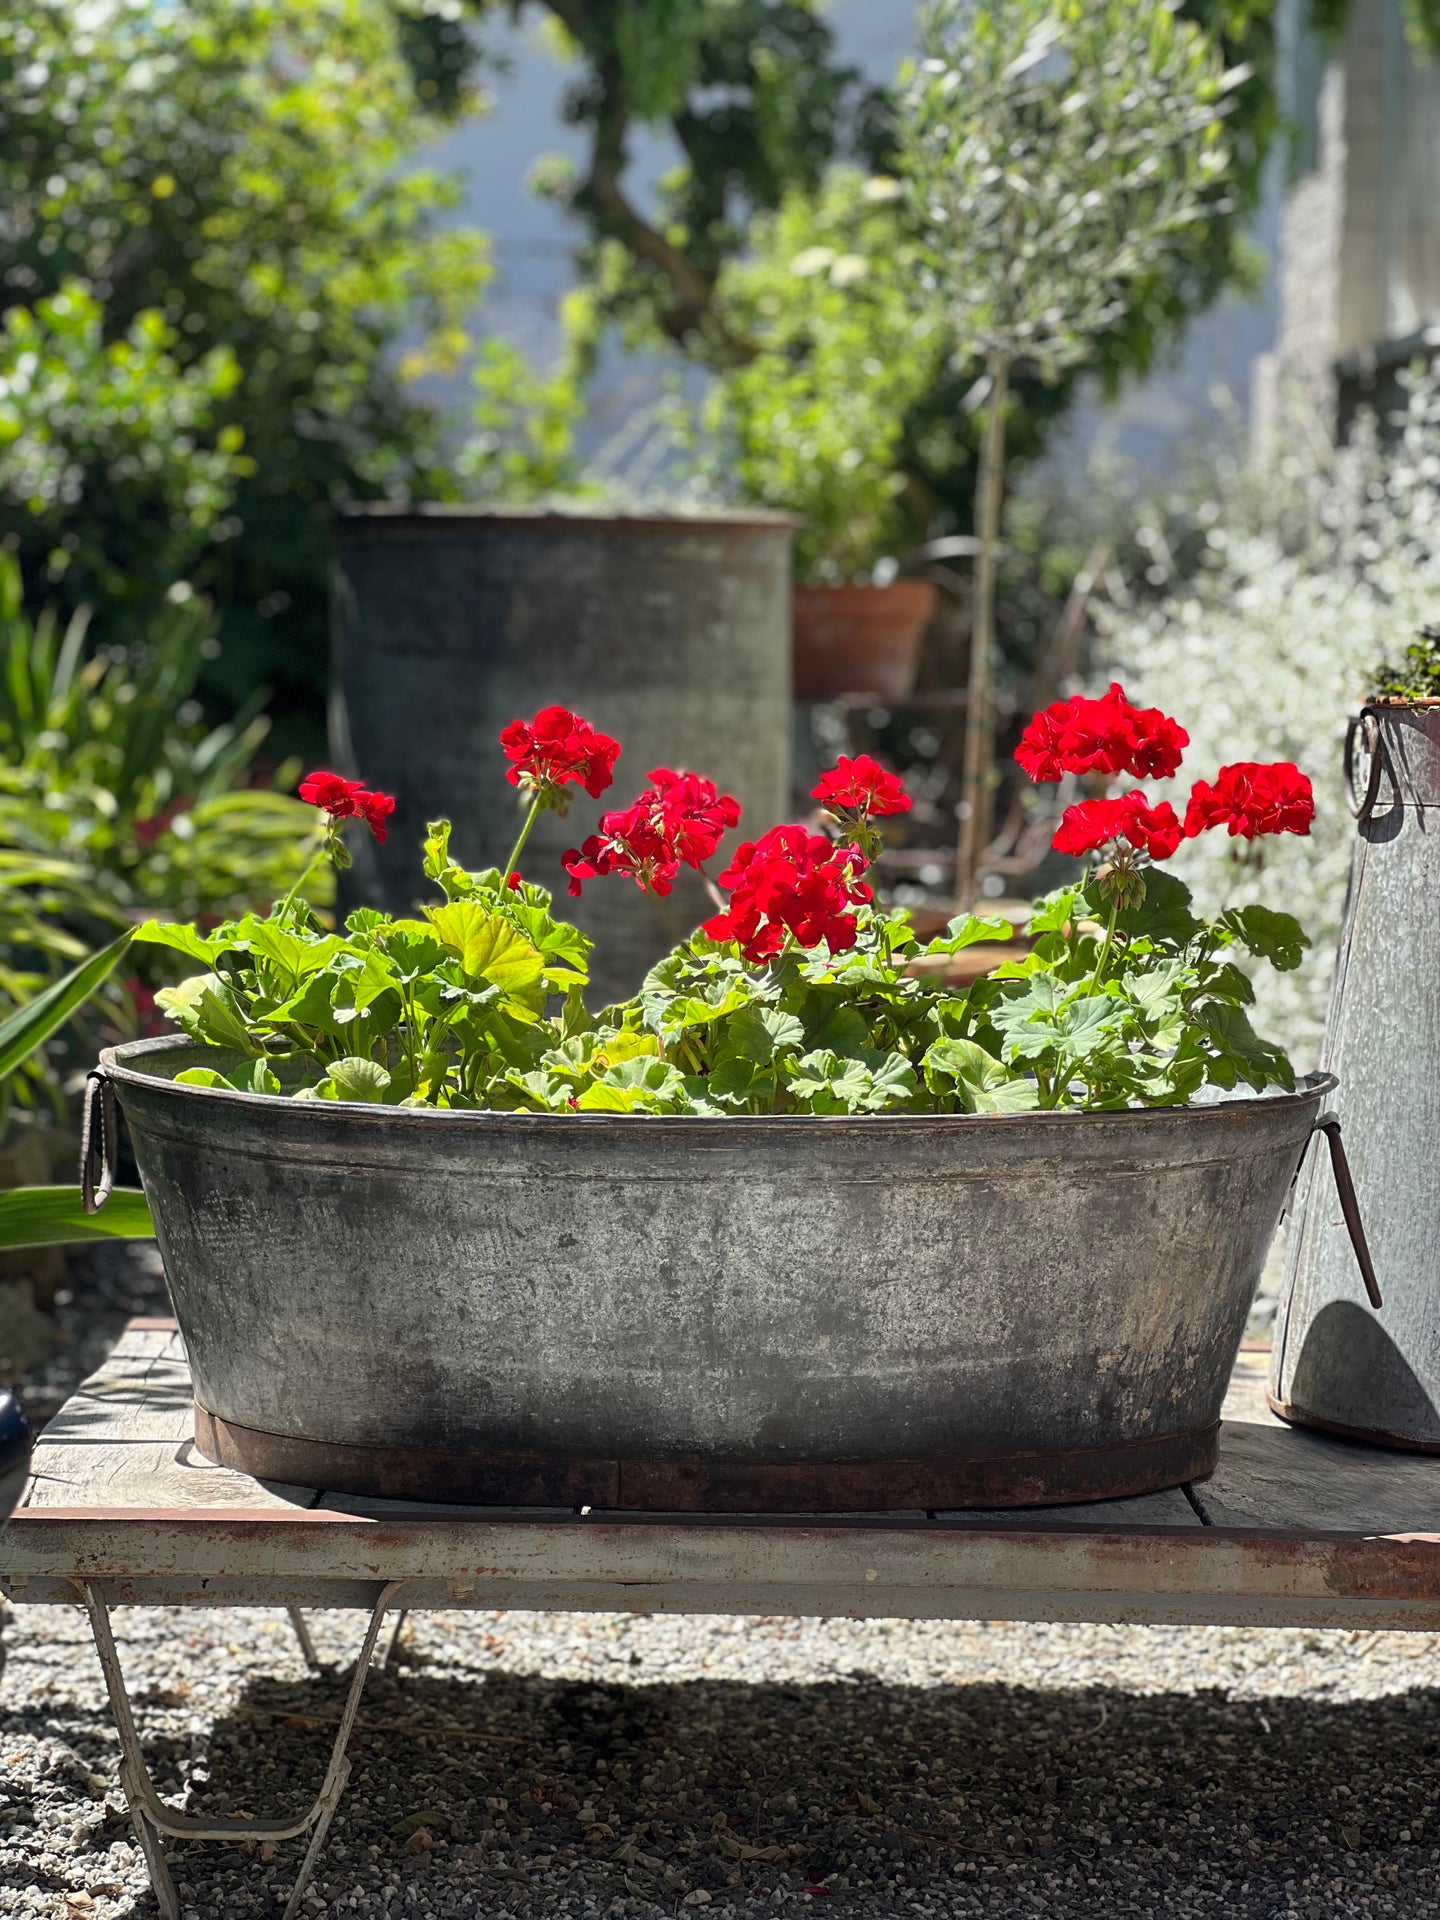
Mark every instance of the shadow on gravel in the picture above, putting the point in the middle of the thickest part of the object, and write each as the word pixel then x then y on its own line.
pixel 529 1797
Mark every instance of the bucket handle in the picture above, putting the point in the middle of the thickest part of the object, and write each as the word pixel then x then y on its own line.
pixel 1367 721
pixel 98 1141
pixel 1329 1125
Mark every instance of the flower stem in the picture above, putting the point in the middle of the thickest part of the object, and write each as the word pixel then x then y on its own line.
pixel 1109 942
pixel 300 879
pixel 519 845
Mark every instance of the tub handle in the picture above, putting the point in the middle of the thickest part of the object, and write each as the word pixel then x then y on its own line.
pixel 98 1141
pixel 1366 723
pixel 1329 1125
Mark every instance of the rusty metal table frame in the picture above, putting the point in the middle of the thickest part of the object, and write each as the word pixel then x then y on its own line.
pixel 1293 1529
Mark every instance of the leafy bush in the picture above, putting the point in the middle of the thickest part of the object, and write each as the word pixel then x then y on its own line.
pixel 247 171
pixel 115 798
pixel 110 455
pixel 839 345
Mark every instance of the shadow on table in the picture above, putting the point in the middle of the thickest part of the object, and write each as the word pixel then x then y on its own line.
pixel 510 1793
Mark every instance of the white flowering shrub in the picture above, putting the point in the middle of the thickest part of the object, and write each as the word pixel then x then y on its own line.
pixel 1319 567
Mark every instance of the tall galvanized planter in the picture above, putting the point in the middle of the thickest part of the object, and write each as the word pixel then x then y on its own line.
pixel 670 633
pixel 748 1314
pixel 1336 1365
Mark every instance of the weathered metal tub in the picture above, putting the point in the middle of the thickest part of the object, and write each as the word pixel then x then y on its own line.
pixel 758 1314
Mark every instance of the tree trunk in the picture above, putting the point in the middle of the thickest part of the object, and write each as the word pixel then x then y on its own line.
pixel 977 785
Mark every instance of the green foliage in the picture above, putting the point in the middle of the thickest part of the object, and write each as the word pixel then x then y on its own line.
pixel 31 1025
pixel 55 1216
pixel 758 106
pixel 114 796
pixel 245 172
pixel 442 1011
pixel 107 770
pixel 839 350
pixel 522 447
pixel 1056 150
pixel 478 1004
pixel 111 466
pixel 1419 677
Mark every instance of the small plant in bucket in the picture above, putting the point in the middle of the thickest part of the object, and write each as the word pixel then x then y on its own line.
pixel 800 994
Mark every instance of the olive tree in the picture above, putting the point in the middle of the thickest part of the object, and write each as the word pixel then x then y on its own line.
pixel 1058 151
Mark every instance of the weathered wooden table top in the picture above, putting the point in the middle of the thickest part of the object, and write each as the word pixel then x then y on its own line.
pixel 1292 1529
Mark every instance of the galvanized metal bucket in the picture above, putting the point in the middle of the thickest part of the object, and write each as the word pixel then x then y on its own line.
pixel 1335 1365
pixel 752 1314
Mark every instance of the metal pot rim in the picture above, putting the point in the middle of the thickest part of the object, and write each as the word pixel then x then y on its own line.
pixel 122 1065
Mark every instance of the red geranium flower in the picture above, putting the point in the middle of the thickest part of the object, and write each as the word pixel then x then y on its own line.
pixel 862 786
pixel 1093 823
pixel 678 821
pixel 346 799
pixel 695 816
pixel 790 881
pixel 1250 799
pixel 556 747
pixel 1108 735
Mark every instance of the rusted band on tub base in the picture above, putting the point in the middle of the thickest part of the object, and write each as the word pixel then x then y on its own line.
pixel 712 1486
pixel 1297 1416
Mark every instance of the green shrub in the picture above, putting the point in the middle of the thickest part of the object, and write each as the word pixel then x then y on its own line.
pixel 116 799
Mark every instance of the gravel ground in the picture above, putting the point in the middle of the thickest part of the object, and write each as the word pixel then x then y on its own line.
pixel 523 1765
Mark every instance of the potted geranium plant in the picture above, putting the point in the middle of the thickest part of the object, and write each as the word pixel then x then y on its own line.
pixel 796 1226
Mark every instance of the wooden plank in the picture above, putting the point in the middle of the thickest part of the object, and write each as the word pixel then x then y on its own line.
pixel 1245 1397
pixel 125 1440
pixel 1145 1512
pixel 1200 1575
pixel 1299 1483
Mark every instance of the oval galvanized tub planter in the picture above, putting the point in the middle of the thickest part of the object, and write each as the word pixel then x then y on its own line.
pixel 760 1314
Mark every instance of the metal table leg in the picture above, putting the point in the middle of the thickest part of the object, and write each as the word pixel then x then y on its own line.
pixel 388 1657
pixel 153 1819
pixel 307 1645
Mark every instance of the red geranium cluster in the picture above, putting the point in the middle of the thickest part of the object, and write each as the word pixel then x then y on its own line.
pixel 1101 736
pixel 791 881
pixel 861 786
pixel 1092 823
pixel 555 748
pixel 1110 736
pixel 678 821
pixel 1250 799
pixel 346 799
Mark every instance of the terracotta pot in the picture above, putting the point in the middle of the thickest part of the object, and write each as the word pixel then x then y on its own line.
pixel 859 639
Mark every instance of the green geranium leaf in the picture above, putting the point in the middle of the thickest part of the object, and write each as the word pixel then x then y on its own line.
pixel 968 930
pixel 1053 912
pixel 1165 915
pixel 759 1033
pixel 1240 1053
pixel 186 940
pixel 356 1078
pixel 1276 937
pixel 206 1008
pixel 490 948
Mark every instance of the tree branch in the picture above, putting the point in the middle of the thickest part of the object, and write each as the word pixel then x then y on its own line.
pixel 691 317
